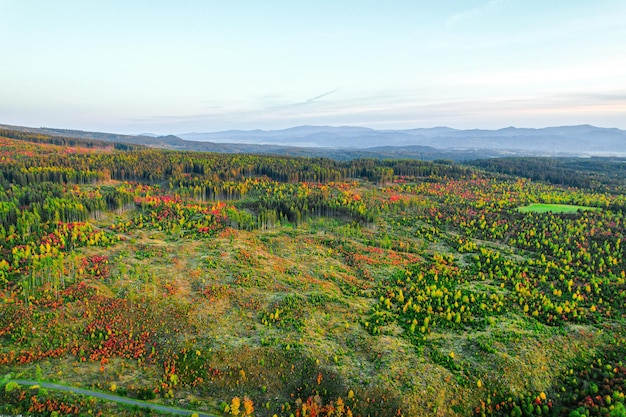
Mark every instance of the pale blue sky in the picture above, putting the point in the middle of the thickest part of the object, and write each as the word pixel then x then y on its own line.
pixel 180 66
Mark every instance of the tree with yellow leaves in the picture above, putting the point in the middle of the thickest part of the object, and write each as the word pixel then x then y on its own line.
pixel 234 406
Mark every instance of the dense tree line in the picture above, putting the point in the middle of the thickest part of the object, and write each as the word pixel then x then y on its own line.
pixel 63 141
pixel 601 174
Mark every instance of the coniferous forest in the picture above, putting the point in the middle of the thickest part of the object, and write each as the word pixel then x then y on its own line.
pixel 240 285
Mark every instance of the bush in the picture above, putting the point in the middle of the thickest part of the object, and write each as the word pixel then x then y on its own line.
pixel 11 386
pixel 618 411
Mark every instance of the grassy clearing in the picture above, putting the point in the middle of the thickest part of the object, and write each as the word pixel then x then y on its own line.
pixel 554 208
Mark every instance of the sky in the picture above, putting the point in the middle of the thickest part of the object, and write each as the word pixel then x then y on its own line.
pixel 179 66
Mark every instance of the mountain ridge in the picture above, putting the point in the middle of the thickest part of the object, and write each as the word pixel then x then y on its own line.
pixel 350 142
pixel 578 139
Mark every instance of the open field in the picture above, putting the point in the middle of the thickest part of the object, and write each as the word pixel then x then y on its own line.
pixel 554 208
pixel 247 285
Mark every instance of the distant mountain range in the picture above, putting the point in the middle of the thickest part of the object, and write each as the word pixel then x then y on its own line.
pixel 349 142
pixel 584 139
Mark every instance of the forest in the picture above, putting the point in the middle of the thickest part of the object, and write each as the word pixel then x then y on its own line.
pixel 248 285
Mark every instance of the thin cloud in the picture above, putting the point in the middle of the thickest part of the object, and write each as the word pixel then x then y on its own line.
pixel 287 106
pixel 599 96
pixel 611 68
pixel 413 109
pixel 311 100
pixel 466 15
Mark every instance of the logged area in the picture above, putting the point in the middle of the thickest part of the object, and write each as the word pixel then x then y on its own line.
pixel 241 285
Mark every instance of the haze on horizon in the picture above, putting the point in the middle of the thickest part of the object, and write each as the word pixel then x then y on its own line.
pixel 173 67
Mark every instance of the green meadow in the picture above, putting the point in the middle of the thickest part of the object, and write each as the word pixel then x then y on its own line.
pixel 554 208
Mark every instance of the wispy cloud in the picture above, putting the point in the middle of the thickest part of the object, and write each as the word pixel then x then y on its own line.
pixel 466 15
pixel 611 69
pixel 412 108
pixel 608 97
pixel 275 103
pixel 311 100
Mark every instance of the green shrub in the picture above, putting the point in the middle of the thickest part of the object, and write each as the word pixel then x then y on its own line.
pixel 11 386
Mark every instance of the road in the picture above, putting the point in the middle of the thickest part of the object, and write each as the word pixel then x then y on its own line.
pixel 114 398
